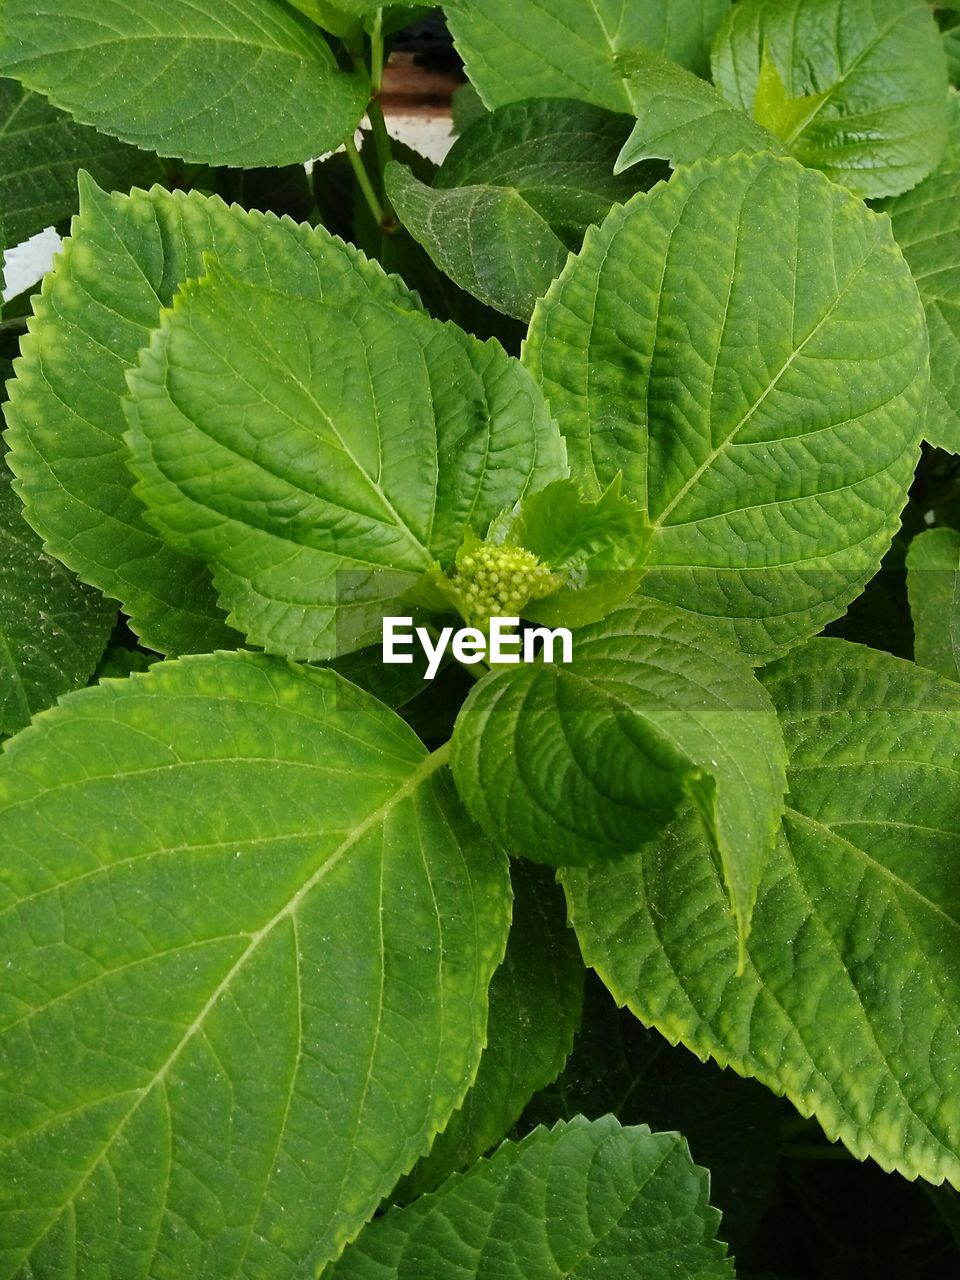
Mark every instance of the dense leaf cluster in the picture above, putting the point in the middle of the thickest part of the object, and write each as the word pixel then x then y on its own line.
pixel 666 353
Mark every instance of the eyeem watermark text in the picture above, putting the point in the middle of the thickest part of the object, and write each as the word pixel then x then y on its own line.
pixel 470 645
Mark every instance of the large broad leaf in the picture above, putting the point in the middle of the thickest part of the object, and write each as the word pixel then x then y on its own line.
pixel 559 155
pixel 486 239
pixel 361 444
pixel 252 84
pixel 345 213
pixel 123 263
pixel 746 345
pixel 516 49
pixel 41 150
pixel 926 223
pixel 536 998
pixel 582 762
pixel 850 1004
pixel 53 629
pixel 247 933
pixel 872 76
pixel 580 1200
pixel 681 118
pixel 516 191
pixel 933 583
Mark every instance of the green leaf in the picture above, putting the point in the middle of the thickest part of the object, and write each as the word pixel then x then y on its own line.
pixel 518 49
pixel 873 74
pixel 119 662
pixel 365 8
pixel 558 155
pixel 926 224
pixel 746 345
pixel 393 685
pixel 348 18
pixel 580 1200
pixel 397 17
pixel 332 18
pixel 775 109
pixel 362 443
pixel 516 191
pixel 52 628
pixel 258 86
pixel 400 253
pixel 597 546
pixel 488 240
pixel 124 262
pixel 466 108
pixel 951 49
pixel 850 1004
pixel 582 762
pixel 536 997
pixel 933 582
pixel 41 150
pixel 247 933
pixel 681 118
pixel 732 1125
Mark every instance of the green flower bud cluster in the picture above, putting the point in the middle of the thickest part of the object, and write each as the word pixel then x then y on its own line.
pixel 495 581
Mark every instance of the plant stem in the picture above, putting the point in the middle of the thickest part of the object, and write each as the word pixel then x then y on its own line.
pixel 363 180
pixel 378 125
pixel 384 149
pixel 17 324
pixel 376 56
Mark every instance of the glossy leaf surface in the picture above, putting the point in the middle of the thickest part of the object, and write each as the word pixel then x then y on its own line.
pixel 517 49
pixel 746 346
pixel 248 83
pixel 321 474
pixel 872 75
pixel 247 936
pixel 849 1004
pixel 581 762
pixel 124 262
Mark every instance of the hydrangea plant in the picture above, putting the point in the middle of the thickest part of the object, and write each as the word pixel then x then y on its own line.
pixel 312 966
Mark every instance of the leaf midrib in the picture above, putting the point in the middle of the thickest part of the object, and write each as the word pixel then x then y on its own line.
pixel 716 451
pixel 821 102
pixel 428 766
pixel 815 912
pixel 414 540
pixel 878 867
pixel 563 68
